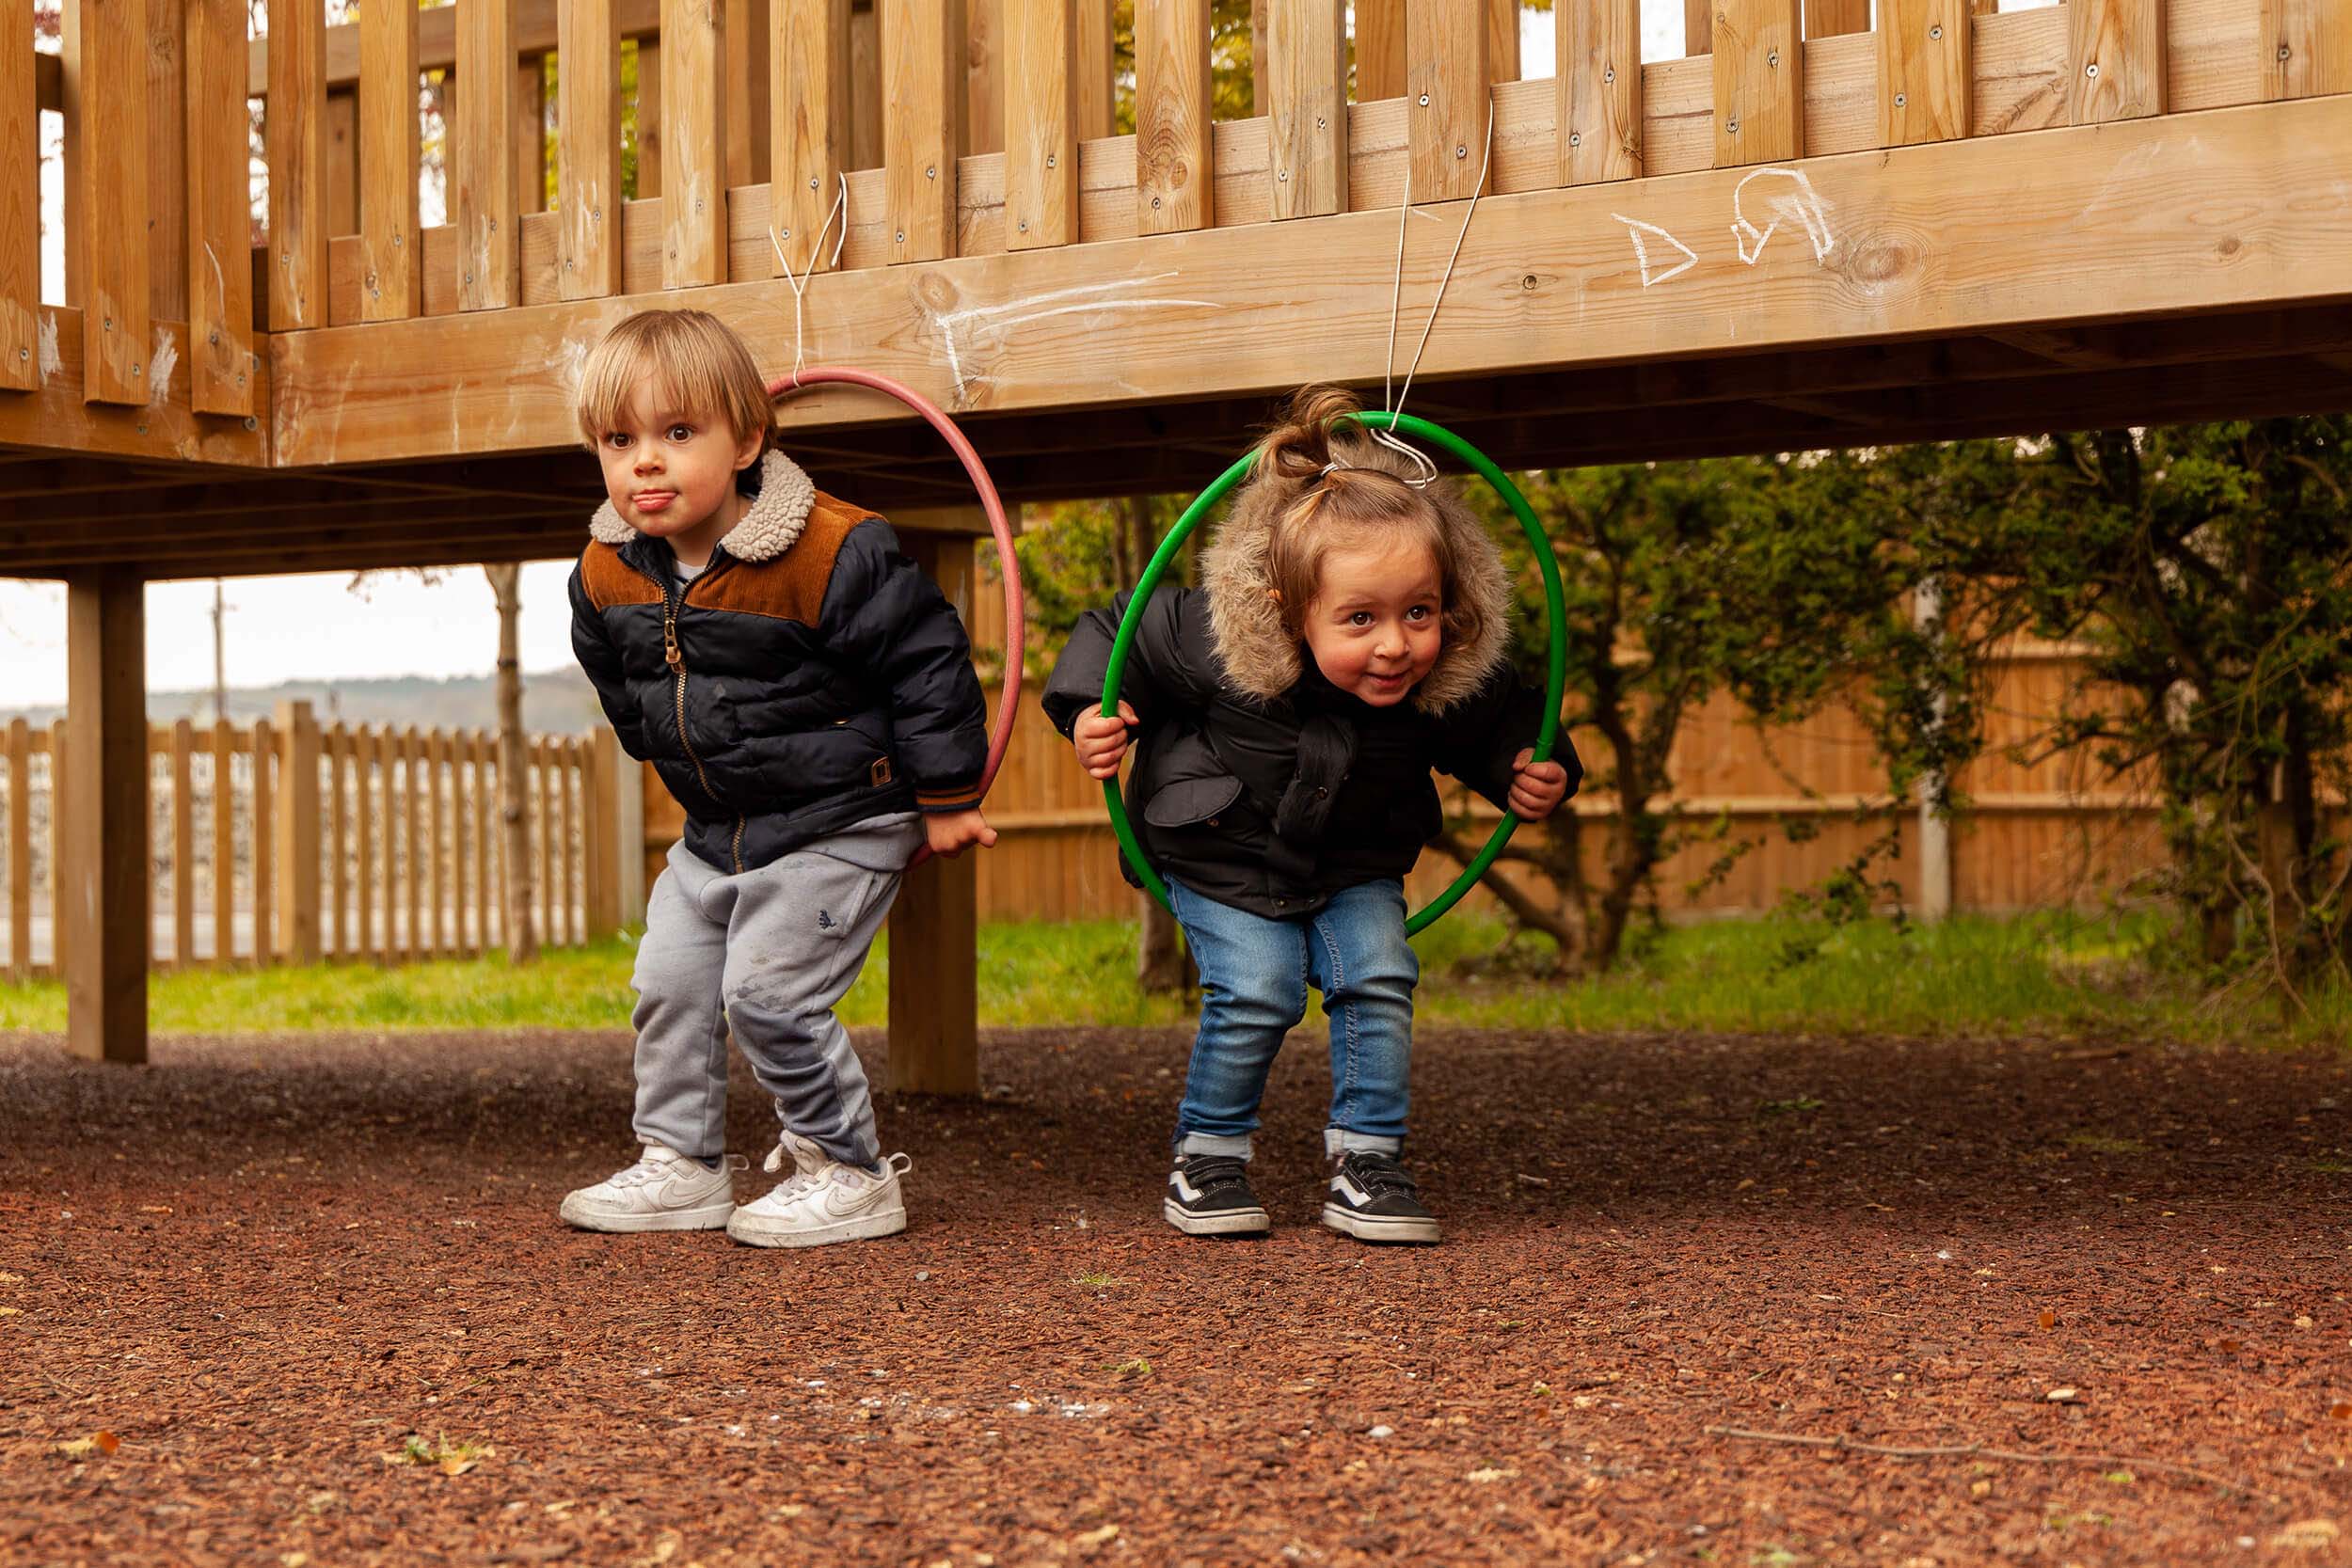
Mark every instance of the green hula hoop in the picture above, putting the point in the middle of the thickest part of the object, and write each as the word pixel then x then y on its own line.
pixel 1556 671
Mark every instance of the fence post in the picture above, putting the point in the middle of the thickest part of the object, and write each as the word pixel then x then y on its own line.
pixel 298 836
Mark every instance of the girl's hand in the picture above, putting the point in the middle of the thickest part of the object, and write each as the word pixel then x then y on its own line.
pixel 951 832
pixel 1536 787
pixel 1101 740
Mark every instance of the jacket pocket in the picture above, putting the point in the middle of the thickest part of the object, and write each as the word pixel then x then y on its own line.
pixel 1191 788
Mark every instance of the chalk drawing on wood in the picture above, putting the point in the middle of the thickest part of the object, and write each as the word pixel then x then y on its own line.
pixel 1790 197
pixel 1636 228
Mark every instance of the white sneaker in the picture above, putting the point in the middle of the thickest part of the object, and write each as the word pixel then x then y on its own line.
pixel 664 1190
pixel 823 1200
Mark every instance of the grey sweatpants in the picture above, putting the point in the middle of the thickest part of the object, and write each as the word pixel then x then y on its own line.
pixel 766 953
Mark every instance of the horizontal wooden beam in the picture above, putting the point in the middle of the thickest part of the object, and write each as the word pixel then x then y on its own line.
pixel 54 415
pixel 2231 210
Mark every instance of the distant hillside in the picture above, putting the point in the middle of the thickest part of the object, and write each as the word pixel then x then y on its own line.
pixel 553 699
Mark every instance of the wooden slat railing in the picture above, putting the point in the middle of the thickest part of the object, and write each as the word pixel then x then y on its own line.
pixel 289 842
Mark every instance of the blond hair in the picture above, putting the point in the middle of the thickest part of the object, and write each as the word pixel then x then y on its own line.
pixel 1327 484
pixel 698 365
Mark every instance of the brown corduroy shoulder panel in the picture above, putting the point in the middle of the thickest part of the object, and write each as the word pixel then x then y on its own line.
pixel 610 581
pixel 792 586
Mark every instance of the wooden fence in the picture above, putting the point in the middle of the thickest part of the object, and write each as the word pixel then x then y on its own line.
pixel 1796 802
pixel 289 842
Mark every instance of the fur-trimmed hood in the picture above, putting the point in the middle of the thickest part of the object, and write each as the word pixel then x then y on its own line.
pixel 770 524
pixel 1263 660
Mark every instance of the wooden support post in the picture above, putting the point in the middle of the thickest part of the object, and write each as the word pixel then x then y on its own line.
pixel 101 924
pixel 808 63
pixel 1760 101
pixel 20 205
pixel 1380 48
pixel 295 126
pixel 747 35
pixel 2114 59
pixel 650 141
pixel 2306 47
pixel 1829 17
pixel 106 182
pixel 1175 172
pixel 1599 44
pixel 588 150
pixel 391 255
pixel 297 835
pixel 20 842
pixel 531 135
pixel 1923 71
pixel 1503 40
pixel 1041 107
pixel 1698 26
pixel 923 79
pixel 1306 89
pixel 693 144
pixel 482 161
pixel 1448 103
pixel 1091 64
pixel 219 244
pixel 934 926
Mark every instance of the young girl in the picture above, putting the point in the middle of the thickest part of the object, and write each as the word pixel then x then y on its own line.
pixel 1350 636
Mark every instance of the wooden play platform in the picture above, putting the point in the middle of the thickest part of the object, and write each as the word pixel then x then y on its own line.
pixel 1802 233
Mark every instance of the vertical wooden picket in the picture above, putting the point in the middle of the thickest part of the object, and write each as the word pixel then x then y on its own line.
pixel 224 843
pixel 1599 47
pixel 2306 47
pixel 363 838
pixel 265 840
pixel 746 33
pixel 1923 71
pixel 567 773
pixel 20 205
pixel 1094 56
pixel 220 295
pixel 923 84
pixel 808 61
pixel 588 150
pixel 106 193
pixel 183 844
pixel 20 758
pixel 1040 110
pixel 1448 104
pixel 59 796
pixel 543 762
pixel 295 127
pixel 1759 103
pixel 436 757
pixel 297 835
pixel 482 161
pixel 650 141
pixel 2115 60
pixel 530 137
pixel 1380 47
pixel 1306 82
pixel 413 944
pixel 478 748
pixel 391 268
pixel 1175 176
pixel 693 144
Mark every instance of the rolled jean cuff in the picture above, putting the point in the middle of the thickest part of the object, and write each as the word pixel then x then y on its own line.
pixel 1339 1140
pixel 1235 1145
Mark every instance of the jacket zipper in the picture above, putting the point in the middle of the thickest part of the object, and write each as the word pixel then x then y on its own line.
pixel 676 660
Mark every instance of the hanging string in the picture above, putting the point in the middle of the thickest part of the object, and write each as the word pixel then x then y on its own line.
pixel 1396 301
pixel 800 285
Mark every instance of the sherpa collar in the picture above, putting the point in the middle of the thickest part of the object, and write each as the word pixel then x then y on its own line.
pixel 769 524
pixel 1264 661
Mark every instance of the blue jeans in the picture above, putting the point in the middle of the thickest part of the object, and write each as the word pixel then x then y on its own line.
pixel 1254 975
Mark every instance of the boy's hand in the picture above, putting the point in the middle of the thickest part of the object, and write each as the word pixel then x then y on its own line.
pixel 951 832
pixel 1536 787
pixel 1101 740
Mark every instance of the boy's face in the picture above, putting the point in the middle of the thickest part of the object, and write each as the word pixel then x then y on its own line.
pixel 670 473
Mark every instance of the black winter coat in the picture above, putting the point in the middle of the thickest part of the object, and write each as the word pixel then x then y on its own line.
pixel 1274 803
pixel 810 677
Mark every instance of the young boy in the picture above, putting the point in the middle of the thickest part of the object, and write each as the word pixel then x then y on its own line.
pixel 807 694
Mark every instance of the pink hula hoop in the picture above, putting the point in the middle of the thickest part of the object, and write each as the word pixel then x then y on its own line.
pixel 1008 698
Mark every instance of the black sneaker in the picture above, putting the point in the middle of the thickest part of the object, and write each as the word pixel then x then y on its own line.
pixel 1208 1195
pixel 1372 1199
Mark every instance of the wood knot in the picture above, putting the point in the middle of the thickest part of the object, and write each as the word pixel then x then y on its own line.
pixel 2230 245
pixel 1879 262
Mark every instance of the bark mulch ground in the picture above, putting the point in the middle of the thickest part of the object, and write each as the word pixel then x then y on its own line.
pixel 262 1267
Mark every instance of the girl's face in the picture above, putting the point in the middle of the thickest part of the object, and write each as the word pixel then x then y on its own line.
pixel 1377 620
pixel 670 473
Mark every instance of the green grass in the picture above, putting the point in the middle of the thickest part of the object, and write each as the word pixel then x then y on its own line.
pixel 2046 975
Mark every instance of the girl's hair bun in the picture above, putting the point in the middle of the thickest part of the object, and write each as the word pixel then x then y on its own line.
pixel 1311 435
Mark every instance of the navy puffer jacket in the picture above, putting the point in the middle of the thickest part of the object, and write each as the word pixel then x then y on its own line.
pixel 810 677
